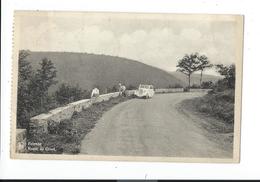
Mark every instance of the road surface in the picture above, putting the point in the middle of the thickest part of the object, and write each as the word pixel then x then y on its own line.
pixel 151 127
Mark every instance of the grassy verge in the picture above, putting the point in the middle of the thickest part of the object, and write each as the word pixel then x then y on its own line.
pixel 214 113
pixel 216 104
pixel 66 136
pixel 217 108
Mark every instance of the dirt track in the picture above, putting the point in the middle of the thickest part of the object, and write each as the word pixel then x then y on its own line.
pixel 153 127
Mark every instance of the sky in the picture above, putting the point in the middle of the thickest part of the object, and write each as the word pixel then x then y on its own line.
pixel 154 39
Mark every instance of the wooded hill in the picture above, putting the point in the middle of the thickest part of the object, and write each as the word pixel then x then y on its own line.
pixel 103 71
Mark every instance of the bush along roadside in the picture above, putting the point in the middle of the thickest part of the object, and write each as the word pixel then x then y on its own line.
pixel 218 105
pixel 65 137
pixel 220 101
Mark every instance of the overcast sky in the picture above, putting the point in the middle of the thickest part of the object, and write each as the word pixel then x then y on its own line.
pixel 157 40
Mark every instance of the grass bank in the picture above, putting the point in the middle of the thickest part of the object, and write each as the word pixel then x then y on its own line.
pixel 216 104
pixel 66 136
pixel 214 113
pixel 217 107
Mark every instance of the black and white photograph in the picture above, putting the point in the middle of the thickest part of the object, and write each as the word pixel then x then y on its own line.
pixel 126 86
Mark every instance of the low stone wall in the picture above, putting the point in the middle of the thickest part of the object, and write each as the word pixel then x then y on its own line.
pixel 168 90
pixel 78 106
pixel 130 92
pixel 20 140
pixel 199 90
pixel 105 97
pixel 173 90
pixel 39 123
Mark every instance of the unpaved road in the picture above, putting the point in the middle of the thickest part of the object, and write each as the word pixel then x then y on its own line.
pixel 152 127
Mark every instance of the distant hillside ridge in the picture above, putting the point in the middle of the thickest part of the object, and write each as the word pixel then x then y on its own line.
pixel 103 71
pixel 195 77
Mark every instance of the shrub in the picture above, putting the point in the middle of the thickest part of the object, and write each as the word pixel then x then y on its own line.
pixel 71 148
pixel 177 85
pixel 63 137
pixel 186 89
pixel 220 86
pixel 113 89
pixel 131 87
pixel 53 127
pixel 207 85
pixel 195 86
pixel 229 74
pixel 47 140
pixel 68 93
pixel 218 104
pixel 65 126
pixel 204 108
pixel 52 103
pixel 75 114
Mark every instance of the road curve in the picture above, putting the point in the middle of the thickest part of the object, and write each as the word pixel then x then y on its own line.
pixel 152 127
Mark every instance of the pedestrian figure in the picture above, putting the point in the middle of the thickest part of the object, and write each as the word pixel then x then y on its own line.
pixel 122 90
pixel 95 92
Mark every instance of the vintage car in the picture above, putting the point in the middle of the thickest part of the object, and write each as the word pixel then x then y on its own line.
pixel 145 91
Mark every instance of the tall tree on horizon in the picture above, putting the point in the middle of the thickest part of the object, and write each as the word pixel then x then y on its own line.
pixel 188 65
pixel 203 64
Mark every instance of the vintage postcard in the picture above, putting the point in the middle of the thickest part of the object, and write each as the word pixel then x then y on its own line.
pixel 126 86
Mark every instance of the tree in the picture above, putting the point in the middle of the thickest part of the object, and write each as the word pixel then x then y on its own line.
pixel 203 64
pixel 114 88
pixel 33 88
pixel 67 93
pixel 229 74
pixel 24 105
pixel 44 78
pixel 176 85
pixel 131 87
pixel 188 65
pixel 207 84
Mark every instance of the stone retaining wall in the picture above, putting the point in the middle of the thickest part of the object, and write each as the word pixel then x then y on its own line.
pixel 105 97
pixel 21 140
pixel 39 123
pixel 168 90
pixel 199 90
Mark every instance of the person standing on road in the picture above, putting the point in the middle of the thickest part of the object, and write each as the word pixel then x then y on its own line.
pixel 122 90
